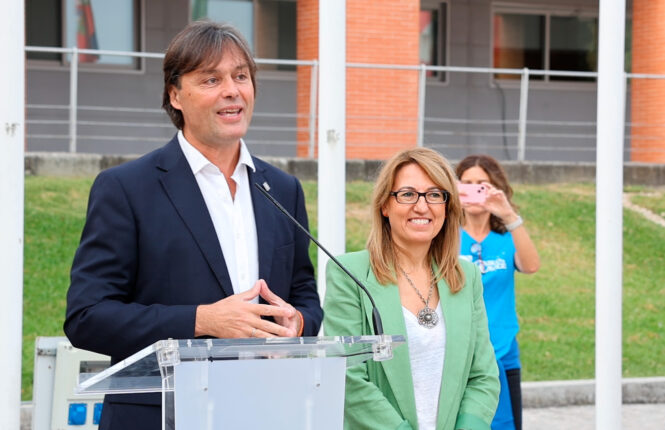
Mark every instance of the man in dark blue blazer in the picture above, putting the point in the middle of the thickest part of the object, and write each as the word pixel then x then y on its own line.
pixel 178 243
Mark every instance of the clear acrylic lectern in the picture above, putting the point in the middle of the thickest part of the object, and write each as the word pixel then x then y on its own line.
pixel 294 383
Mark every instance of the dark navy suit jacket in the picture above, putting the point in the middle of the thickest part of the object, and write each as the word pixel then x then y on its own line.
pixel 149 255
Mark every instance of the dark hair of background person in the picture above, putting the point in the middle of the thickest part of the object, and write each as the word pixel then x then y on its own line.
pixel 498 178
pixel 199 45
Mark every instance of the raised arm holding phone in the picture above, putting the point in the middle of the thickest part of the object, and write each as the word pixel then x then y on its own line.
pixel 496 240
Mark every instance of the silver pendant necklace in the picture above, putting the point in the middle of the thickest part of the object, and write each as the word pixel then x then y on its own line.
pixel 427 316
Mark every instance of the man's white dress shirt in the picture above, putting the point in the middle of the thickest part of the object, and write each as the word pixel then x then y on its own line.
pixel 233 218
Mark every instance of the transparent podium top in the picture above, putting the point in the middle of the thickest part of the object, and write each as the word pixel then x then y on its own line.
pixel 149 370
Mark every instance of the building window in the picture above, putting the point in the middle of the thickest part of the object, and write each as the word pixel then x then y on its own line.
pixel 433 40
pixel 239 13
pixel 43 27
pixel 268 25
pixel 86 24
pixel 545 41
pixel 573 45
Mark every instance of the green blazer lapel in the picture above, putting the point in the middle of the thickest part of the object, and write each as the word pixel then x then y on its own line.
pixel 458 317
pixel 398 369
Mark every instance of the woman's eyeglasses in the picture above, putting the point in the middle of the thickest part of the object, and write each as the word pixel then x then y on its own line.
pixel 410 197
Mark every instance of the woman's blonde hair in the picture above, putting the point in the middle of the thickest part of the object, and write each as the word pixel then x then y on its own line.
pixel 444 249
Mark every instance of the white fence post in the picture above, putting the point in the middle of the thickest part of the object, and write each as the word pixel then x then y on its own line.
pixel 422 84
pixel 313 87
pixel 524 101
pixel 332 133
pixel 12 141
pixel 609 212
pixel 73 98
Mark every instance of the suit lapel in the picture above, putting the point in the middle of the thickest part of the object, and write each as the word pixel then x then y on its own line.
pixel 183 191
pixel 398 369
pixel 457 314
pixel 264 217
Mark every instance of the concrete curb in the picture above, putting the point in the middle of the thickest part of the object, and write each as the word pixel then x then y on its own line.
pixel 66 164
pixel 582 392
pixel 545 394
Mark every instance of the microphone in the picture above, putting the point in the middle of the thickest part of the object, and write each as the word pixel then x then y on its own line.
pixel 376 318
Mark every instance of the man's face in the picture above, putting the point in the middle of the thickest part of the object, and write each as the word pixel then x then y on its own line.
pixel 216 102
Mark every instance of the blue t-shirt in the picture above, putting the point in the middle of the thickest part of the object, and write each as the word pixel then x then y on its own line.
pixel 495 257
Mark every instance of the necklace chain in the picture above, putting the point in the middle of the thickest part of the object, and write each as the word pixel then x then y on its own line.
pixel 427 316
pixel 429 294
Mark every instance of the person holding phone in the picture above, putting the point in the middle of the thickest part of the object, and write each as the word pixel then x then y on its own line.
pixel 495 239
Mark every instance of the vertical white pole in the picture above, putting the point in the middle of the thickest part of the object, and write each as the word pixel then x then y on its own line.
pixel 609 212
pixel 524 103
pixel 422 84
pixel 313 87
pixel 332 132
pixel 12 141
pixel 73 98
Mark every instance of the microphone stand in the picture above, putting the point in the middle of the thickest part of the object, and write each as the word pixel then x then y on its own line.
pixel 382 350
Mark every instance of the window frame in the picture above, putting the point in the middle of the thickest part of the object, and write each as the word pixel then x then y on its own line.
pixel 547 11
pixel 436 5
pixel 137 67
pixel 266 73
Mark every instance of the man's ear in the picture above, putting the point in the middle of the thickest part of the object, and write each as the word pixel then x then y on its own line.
pixel 174 95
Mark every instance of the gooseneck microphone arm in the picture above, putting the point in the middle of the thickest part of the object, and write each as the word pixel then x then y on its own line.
pixel 376 318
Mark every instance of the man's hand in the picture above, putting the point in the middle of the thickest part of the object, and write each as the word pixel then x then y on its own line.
pixel 236 316
pixel 293 321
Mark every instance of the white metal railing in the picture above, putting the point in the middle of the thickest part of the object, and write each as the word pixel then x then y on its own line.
pixel 73 106
pixel 524 73
pixel 519 136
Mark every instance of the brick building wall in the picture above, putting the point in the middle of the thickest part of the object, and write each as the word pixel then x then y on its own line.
pixel 381 104
pixel 307 40
pixel 648 95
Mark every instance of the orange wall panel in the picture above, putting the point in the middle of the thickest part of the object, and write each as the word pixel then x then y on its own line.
pixel 381 105
pixel 648 95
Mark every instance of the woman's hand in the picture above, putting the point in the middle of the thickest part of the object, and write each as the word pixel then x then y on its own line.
pixel 498 205
pixel 526 255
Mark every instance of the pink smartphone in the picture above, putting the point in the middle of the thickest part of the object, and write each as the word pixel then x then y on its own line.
pixel 472 193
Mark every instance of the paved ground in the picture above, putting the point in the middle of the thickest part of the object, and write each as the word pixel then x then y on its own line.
pixel 634 417
pixel 553 405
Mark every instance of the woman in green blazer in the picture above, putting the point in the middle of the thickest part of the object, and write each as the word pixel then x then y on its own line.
pixel 446 376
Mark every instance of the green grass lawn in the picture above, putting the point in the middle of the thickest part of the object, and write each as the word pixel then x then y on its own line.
pixel 555 305
pixel 54 216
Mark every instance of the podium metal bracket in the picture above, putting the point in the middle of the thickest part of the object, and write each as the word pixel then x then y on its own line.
pixel 168 355
pixel 382 349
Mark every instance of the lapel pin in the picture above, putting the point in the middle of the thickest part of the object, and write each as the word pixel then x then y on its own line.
pixel 266 186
